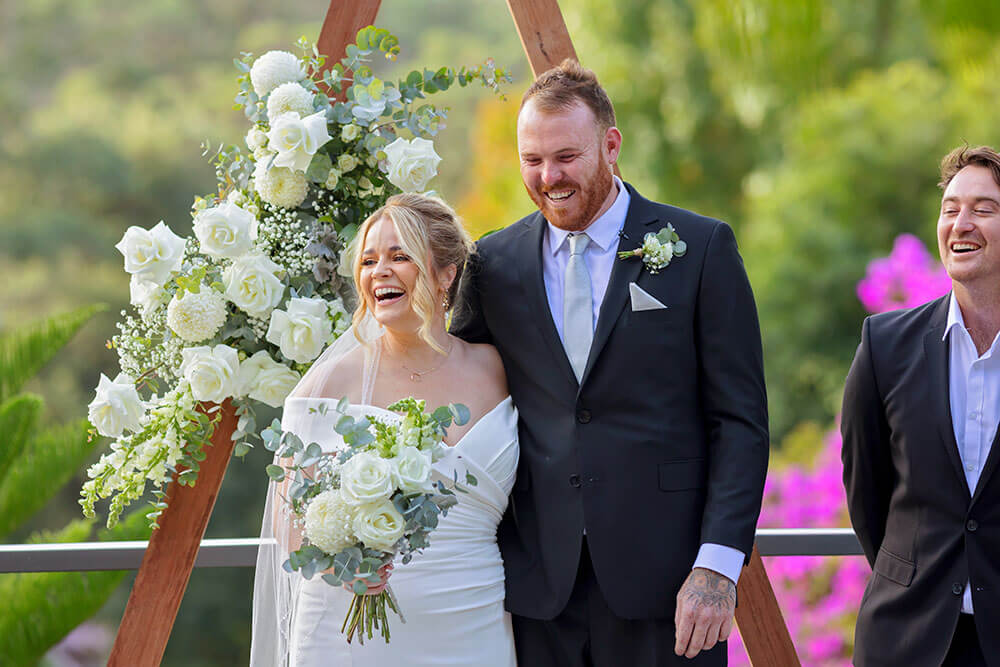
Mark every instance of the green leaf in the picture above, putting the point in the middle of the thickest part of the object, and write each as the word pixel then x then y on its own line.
pixel 242 449
pixel 470 479
pixel 319 168
pixel 460 412
pixel 359 587
pixel 275 472
pixel 442 416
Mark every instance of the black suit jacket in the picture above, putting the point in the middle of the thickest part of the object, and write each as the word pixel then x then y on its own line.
pixel 922 531
pixel 664 443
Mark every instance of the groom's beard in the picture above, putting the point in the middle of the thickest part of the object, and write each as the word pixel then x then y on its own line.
pixel 588 199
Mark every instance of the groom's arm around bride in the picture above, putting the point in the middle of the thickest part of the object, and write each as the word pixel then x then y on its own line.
pixel 640 388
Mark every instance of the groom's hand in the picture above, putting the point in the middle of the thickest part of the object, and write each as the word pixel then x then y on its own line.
pixel 704 616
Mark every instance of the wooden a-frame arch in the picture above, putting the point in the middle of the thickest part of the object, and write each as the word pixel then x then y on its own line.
pixel 166 566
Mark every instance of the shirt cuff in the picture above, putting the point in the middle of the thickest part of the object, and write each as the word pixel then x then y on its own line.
pixel 727 561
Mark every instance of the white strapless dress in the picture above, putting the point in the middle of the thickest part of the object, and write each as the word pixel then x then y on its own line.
pixel 451 595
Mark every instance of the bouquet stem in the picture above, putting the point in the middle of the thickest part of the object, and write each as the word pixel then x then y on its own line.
pixel 369 613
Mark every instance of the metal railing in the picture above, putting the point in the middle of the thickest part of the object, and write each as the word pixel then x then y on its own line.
pixel 242 552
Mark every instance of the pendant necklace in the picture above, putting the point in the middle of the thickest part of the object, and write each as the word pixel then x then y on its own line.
pixel 415 376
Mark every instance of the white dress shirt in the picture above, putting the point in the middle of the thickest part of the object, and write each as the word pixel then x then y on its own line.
pixel 600 256
pixel 974 390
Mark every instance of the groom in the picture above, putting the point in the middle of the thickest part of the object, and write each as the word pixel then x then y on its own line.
pixel 643 419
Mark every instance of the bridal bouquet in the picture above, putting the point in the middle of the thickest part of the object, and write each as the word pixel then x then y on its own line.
pixel 239 309
pixel 360 507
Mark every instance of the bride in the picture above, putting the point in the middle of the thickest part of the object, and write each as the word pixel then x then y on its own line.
pixel 408 262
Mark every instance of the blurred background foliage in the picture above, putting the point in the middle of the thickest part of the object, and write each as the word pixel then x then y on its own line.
pixel 813 127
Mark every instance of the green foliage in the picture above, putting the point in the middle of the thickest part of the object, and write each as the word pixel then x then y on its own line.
pixel 18 417
pixel 25 351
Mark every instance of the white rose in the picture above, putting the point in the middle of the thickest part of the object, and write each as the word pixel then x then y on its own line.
pixel 412 164
pixel 302 331
pixel 346 162
pixel 296 140
pixel 280 186
pixel 116 406
pixel 264 379
pixel 145 296
pixel 252 284
pixel 332 178
pixel 412 470
pixel 366 478
pixel 256 138
pixel 329 522
pixel 289 97
pixel 273 69
pixel 226 230
pixel 152 254
pixel 350 132
pixel 195 317
pixel 379 525
pixel 212 372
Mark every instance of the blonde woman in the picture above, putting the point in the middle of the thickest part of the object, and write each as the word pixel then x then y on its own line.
pixel 409 257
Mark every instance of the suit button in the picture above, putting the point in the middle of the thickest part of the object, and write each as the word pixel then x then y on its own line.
pixel 972 525
pixel 583 416
pixel 574 481
pixel 957 588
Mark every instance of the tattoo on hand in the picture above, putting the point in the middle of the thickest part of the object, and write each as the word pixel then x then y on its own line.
pixel 710 589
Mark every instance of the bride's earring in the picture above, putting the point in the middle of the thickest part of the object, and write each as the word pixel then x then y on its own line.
pixel 446 302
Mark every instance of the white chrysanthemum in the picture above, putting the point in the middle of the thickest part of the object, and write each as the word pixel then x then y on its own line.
pixel 329 522
pixel 289 97
pixel 280 186
pixel 273 69
pixel 195 317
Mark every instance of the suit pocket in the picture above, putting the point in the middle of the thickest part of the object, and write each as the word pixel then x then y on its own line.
pixel 683 475
pixel 894 568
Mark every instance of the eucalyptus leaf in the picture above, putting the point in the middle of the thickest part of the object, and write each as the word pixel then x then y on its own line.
pixel 460 412
pixel 275 472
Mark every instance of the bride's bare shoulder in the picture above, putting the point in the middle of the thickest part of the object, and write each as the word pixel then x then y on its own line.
pixel 485 366
pixel 342 378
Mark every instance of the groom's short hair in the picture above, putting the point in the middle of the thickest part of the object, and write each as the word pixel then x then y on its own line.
pixel 567 84
pixel 964 156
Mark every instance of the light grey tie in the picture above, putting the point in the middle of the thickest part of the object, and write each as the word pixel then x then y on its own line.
pixel 578 306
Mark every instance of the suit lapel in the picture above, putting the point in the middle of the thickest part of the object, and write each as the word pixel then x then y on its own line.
pixel 529 259
pixel 937 360
pixel 623 272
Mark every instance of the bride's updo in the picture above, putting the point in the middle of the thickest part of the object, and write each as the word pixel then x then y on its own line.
pixel 432 235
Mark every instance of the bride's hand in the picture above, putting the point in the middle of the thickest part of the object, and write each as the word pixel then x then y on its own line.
pixel 374 589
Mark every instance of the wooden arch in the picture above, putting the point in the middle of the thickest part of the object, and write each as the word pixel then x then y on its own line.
pixel 166 566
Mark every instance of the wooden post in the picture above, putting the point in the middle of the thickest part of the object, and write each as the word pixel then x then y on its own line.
pixel 543 33
pixel 759 619
pixel 166 566
pixel 343 21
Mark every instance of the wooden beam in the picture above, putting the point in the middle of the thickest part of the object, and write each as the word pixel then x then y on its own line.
pixel 543 33
pixel 759 619
pixel 166 566
pixel 344 18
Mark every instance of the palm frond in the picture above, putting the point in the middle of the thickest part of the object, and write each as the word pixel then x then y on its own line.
pixel 24 351
pixel 18 417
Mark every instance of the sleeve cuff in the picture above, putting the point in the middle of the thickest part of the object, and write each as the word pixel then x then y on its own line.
pixel 727 561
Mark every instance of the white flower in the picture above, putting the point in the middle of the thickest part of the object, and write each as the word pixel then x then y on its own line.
pixel 289 97
pixel 151 254
pixel 145 296
pixel 379 525
pixel 411 470
pixel 116 406
pixel 350 132
pixel 345 263
pixel 301 331
pixel 332 179
pixel 252 284
pixel 256 138
pixel 346 162
pixel 212 372
pixel 412 164
pixel 264 379
pixel 195 317
pixel 296 139
pixel 280 186
pixel 366 478
pixel 226 230
pixel 273 69
pixel 329 522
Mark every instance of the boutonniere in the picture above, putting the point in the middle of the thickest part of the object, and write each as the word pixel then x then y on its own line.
pixel 657 249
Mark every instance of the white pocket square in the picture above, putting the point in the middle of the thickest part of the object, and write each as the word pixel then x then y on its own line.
pixel 643 300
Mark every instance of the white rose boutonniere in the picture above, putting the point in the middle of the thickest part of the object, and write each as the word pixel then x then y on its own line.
pixel 226 230
pixel 302 331
pixel 116 406
pixel 366 478
pixel 212 372
pixel 152 254
pixel 296 140
pixel 265 380
pixel 412 164
pixel 251 282
pixel 658 249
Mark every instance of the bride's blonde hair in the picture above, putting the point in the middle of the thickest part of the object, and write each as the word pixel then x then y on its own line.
pixel 432 235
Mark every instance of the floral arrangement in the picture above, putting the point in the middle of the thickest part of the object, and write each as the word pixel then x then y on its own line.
pixel 359 507
pixel 238 311
pixel 657 249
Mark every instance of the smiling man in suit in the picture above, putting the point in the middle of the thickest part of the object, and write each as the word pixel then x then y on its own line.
pixel 921 409
pixel 643 418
